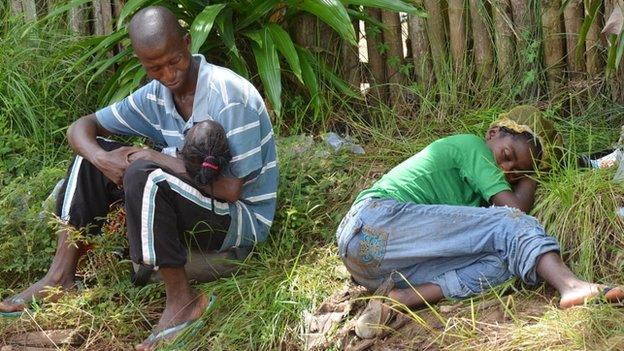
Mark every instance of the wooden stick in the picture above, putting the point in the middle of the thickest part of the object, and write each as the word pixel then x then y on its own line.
pixel 30 10
pixel 436 35
pixel 350 60
pixel 25 348
pixel 376 59
pixel 573 19
pixel 47 338
pixel 117 5
pixel 523 22
pixel 304 30
pixel 49 5
pixel 503 38
pixel 553 43
pixel 392 35
pixel 457 32
pixel 594 62
pixel 484 56
pixel 76 20
pixel 16 7
pixel 98 23
pixel 107 16
pixel 420 49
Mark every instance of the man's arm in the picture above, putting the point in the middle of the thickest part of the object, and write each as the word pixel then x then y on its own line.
pixel 521 198
pixel 228 189
pixel 82 138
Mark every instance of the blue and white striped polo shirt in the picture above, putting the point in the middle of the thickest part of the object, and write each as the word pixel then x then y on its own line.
pixel 225 97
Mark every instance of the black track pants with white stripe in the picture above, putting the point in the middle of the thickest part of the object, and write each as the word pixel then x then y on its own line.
pixel 162 225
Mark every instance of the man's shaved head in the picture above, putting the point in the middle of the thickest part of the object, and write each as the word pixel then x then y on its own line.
pixel 153 27
pixel 162 47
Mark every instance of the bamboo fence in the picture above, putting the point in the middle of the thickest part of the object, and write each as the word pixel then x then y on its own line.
pixel 482 41
pixel 95 18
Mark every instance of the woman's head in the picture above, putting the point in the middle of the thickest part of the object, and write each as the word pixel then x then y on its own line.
pixel 535 138
pixel 205 152
pixel 516 153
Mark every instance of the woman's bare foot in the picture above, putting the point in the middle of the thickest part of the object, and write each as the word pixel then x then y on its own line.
pixel 177 311
pixel 44 289
pixel 581 293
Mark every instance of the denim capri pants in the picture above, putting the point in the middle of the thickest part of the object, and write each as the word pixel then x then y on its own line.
pixel 464 250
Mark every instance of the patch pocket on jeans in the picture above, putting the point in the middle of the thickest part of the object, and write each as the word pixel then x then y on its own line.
pixel 372 245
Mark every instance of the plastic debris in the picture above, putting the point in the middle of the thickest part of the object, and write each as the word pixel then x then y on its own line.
pixel 619 174
pixel 607 161
pixel 339 143
pixel 620 212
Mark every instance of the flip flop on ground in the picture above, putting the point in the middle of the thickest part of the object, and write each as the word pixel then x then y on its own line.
pixel 190 327
pixel 613 295
pixel 610 295
pixel 17 305
pixel 26 307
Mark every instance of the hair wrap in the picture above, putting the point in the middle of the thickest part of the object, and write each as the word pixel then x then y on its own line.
pixel 525 118
pixel 208 163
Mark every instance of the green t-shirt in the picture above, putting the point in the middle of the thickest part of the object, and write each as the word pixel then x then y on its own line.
pixel 456 170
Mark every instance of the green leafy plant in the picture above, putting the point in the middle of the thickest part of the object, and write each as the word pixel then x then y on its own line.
pixel 235 34
pixel 614 30
pixel 39 96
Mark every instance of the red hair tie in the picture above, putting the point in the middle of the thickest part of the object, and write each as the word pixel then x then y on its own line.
pixel 208 163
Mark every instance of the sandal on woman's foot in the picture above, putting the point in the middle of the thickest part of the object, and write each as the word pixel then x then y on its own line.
pixel 609 295
pixel 370 323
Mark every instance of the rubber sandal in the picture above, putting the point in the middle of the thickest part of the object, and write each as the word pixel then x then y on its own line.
pixel 369 324
pixel 611 295
pixel 16 314
pixel 190 327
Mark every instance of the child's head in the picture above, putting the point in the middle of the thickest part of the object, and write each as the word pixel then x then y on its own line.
pixel 205 152
pixel 532 138
pixel 516 153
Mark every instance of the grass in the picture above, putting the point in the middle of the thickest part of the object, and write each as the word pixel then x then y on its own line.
pixel 262 306
pixel 39 94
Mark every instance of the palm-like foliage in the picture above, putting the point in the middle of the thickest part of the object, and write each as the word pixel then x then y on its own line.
pixel 236 34
pixel 614 30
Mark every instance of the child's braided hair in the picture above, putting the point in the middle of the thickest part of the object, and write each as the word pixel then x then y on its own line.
pixel 206 152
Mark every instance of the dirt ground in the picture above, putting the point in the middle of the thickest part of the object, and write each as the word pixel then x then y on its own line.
pixel 447 325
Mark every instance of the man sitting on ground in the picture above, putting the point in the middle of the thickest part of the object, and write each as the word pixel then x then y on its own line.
pixel 162 203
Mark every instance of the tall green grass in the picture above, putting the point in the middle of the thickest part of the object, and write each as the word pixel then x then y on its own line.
pixel 39 96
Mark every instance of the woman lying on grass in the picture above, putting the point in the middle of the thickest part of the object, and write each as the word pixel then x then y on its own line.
pixel 422 233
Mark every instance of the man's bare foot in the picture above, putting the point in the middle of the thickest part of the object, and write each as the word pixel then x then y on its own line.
pixel 45 289
pixel 176 313
pixel 580 294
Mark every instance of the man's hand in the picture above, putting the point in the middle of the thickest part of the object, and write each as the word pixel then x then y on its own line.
pixel 228 189
pixel 114 163
pixel 141 154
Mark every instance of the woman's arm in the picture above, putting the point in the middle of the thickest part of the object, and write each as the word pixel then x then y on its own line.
pixel 522 197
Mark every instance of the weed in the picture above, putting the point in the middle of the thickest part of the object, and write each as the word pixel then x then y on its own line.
pixel 39 96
